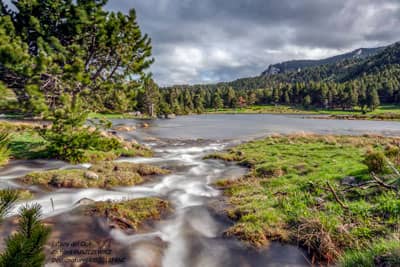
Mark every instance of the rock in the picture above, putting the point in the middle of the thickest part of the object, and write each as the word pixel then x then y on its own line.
pixel 145 125
pixel 104 134
pixel 134 142
pixel 171 116
pixel 124 128
pixel 136 113
pixel 91 129
pixel 85 201
pixel 161 116
pixel 319 200
pixel 349 180
pixel 91 175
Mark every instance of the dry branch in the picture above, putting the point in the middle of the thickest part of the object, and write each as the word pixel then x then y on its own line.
pixel 344 206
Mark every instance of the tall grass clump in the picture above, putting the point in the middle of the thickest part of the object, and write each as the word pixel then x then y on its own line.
pixel 4 149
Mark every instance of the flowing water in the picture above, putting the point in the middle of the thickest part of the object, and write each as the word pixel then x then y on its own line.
pixel 193 234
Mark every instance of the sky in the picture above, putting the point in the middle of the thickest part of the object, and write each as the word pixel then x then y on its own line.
pixel 205 41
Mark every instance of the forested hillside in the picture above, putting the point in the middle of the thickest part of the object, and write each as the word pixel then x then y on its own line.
pixel 365 83
pixel 298 65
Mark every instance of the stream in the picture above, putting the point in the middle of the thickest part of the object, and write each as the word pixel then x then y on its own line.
pixel 193 234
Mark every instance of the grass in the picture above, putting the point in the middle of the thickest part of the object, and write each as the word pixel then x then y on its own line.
pixel 285 196
pixel 131 214
pixel 110 174
pixel 27 144
pixel 384 112
pixel 382 253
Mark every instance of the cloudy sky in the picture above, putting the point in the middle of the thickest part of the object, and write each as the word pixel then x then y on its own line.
pixel 202 41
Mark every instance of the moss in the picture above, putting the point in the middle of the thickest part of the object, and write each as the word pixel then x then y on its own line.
pixel 131 213
pixel 24 194
pixel 285 193
pixel 110 174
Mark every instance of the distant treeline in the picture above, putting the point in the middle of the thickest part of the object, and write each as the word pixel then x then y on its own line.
pixel 364 83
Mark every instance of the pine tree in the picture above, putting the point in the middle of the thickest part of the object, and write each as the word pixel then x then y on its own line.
pixel 25 248
pixel 74 47
pixel 372 99
pixel 149 97
pixel 217 100
pixel 229 98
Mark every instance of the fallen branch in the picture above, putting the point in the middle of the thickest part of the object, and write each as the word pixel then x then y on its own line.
pixel 382 183
pixel 344 206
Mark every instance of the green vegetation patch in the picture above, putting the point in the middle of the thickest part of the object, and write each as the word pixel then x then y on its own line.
pixel 25 142
pixel 289 193
pixel 131 214
pixel 382 253
pixel 102 175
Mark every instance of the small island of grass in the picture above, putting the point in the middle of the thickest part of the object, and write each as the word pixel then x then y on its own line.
pixel 130 214
pixel 101 175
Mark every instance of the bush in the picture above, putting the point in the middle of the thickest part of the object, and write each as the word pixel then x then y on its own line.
pixel 69 140
pixel 375 161
pixel 73 146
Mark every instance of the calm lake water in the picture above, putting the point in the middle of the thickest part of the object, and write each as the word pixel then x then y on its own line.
pixel 243 126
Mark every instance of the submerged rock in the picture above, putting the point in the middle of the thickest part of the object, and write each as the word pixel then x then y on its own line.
pixel 171 116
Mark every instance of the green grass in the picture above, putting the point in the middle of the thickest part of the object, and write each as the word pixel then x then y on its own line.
pixel 110 174
pixel 27 144
pixel 286 197
pixel 131 214
pixel 381 253
pixel 282 109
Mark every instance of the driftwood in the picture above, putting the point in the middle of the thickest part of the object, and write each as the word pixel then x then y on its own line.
pixel 382 183
pixel 344 206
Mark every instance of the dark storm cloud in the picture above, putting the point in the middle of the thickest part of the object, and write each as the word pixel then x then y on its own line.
pixel 213 40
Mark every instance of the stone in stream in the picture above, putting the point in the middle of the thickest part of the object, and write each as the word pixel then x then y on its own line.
pixel 171 116
pixel 85 201
pixel 91 175
pixel 124 128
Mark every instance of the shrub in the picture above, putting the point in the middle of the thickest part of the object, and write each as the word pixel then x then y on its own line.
pixel 375 161
pixel 69 140
pixel 73 146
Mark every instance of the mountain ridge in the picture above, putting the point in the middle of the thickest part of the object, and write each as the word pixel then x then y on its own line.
pixel 299 64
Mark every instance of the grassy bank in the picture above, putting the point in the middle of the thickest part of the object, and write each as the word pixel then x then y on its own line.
pixel 296 192
pixel 131 214
pixel 102 175
pixel 386 112
pixel 25 142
